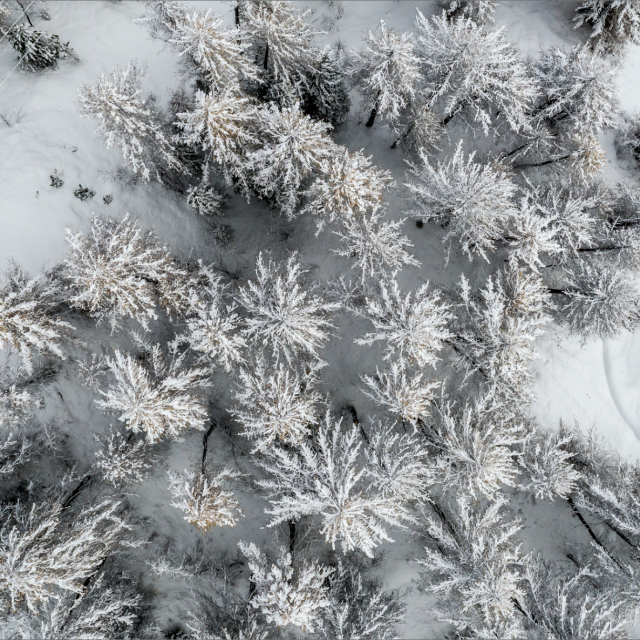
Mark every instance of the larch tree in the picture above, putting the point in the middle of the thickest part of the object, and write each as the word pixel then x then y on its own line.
pixel 378 246
pixel 293 148
pixel 119 271
pixel 500 324
pixel 387 72
pixel 276 404
pixel 27 323
pixel 347 188
pixel 599 300
pixel 469 70
pixel 224 123
pixel 325 479
pixel 614 23
pixel 43 553
pixel 475 448
pixel 281 37
pixel 402 391
pixel 359 607
pixel 577 91
pixel 414 325
pixel 155 396
pixel 285 595
pixel 204 499
pixel 284 314
pixel 219 53
pixel 128 121
pixel 475 570
pixel 475 200
pixel 122 461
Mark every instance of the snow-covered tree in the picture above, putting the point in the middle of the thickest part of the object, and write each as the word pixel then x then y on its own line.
pixel 16 445
pixel 600 300
pixel 480 11
pixel 276 403
pixel 130 122
pixel 569 603
pixel 118 271
pixel 475 200
pixel 403 392
pixel 44 553
pixel 377 245
pixel 99 612
pixel 38 50
pixel 282 39
pixel 476 448
pixel 325 479
pixel 213 326
pixel 204 500
pixel 122 461
pixel 26 322
pixel 285 313
pixel 501 324
pixel 282 599
pixel 219 53
pixel 530 234
pixel 474 570
pixel 348 187
pixel 547 461
pixel 359 608
pixel 205 199
pixel 413 326
pixel 387 71
pixel 614 23
pixel 607 487
pixel 162 17
pixel 293 148
pixel 325 95
pixel 155 396
pixel 578 91
pixel 399 466
pixel 468 70
pixel 224 123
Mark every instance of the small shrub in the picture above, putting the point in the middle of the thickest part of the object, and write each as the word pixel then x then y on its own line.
pixel 84 193
pixel 56 180
pixel 108 199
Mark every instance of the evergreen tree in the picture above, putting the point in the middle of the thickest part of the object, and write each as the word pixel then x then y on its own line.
pixel 614 23
pixel 38 50
pixel 284 313
pixel 281 599
pixel 469 70
pixel 293 148
pixel 474 200
pixel 386 71
pixel 127 120
pixel 154 396
pixel 26 321
pixel 204 500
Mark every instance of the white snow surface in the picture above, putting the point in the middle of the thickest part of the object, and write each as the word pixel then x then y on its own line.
pixel 597 383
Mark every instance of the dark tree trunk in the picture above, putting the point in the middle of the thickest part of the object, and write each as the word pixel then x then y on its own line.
pixel 541 164
pixel 266 57
pixel 205 445
pixel 292 537
pixel 82 485
pixel 236 12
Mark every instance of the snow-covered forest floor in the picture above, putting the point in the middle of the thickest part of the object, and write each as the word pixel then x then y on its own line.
pixel 463 510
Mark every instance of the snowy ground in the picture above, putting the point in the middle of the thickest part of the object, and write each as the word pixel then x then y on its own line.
pixel 597 383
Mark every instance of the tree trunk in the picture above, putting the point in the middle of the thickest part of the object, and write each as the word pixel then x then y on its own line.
pixel 82 485
pixel 374 111
pixel 557 291
pixel 580 517
pixel 236 12
pixel 404 135
pixel 436 507
pixel 205 445
pixel 292 537
pixel 266 57
pixel 541 164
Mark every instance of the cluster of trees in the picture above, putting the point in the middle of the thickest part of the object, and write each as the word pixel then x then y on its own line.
pixel 454 447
